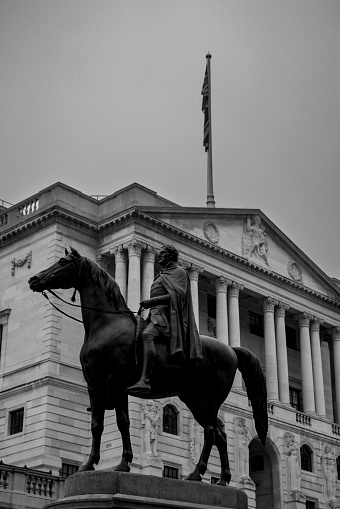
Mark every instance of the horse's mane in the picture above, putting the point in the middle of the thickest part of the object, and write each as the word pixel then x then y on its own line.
pixel 112 290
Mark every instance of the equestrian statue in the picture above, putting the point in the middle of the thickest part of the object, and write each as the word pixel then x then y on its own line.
pixel 155 358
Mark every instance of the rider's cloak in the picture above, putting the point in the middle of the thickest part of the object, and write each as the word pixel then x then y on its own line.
pixel 184 333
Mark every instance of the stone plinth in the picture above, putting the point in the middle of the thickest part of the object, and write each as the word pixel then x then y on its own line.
pixel 108 489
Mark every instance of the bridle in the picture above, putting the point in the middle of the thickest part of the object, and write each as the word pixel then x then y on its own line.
pixel 122 311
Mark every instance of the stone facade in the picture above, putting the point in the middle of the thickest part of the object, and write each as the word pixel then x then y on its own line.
pixel 251 287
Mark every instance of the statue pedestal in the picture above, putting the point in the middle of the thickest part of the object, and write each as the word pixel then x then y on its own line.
pixel 117 490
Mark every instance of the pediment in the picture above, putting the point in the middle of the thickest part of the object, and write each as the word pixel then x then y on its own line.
pixel 251 235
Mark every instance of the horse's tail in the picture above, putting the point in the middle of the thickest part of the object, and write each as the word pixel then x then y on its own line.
pixel 255 383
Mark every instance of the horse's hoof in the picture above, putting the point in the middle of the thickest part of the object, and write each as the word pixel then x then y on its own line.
pixel 195 476
pixel 122 467
pixel 85 468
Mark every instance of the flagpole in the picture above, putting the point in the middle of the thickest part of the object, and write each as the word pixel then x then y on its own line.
pixel 210 192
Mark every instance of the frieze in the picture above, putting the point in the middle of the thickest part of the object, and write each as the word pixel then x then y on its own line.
pixel 20 263
pixel 211 232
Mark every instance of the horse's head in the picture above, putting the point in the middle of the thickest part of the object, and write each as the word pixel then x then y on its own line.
pixel 62 274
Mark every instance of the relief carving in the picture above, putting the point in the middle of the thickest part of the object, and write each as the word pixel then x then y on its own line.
pixel 21 262
pixel 150 416
pixel 195 440
pixel 295 272
pixel 330 472
pixel 242 448
pixel 293 463
pixel 254 241
pixel 211 232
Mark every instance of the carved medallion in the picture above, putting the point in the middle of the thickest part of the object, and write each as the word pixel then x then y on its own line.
pixel 295 272
pixel 211 232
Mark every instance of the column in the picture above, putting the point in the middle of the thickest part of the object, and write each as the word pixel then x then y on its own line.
pixel 319 392
pixel 336 353
pixel 194 273
pixel 148 264
pixel 234 323
pixel 121 268
pixel 221 285
pixel 270 348
pixel 281 352
pixel 306 363
pixel 135 250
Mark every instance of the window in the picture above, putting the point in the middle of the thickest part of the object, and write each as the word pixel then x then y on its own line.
pixel 291 338
pixel 310 504
pixel 295 398
pixel 256 324
pixel 16 421
pixel 211 303
pixel 170 420
pixel 214 480
pixel 338 467
pixel 306 458
pixel 257 463
pixel 1 327
pixel 67 469
pixel 170 472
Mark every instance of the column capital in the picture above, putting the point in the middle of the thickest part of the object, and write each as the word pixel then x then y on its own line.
pixel 134 247
pixel 120 253
pixel 335 331
pixel 269 304
pixel 194 272
pixel 184 264
pixel 221 284
pixel 149 254
pixel 303 319
pixel 315 323
pixel 281 308
pixel 235 288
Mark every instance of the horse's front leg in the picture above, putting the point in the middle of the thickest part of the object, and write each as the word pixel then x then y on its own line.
pixel 97 427
pixel 123 423
pixel 201 467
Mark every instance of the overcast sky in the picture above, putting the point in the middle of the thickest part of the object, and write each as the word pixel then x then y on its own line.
pixel 101 94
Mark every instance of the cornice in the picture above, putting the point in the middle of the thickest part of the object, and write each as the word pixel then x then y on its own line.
pixel 96 230
pixel 220 252
pixel 50 216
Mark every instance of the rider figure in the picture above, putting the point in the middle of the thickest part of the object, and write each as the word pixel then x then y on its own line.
pixel 171 318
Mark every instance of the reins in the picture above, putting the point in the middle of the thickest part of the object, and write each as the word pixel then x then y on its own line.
pixel 123 311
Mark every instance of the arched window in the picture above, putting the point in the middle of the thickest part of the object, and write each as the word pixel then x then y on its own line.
pixel 306 454
pixel 170 420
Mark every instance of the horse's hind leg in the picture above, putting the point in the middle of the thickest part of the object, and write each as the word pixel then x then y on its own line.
pixel 123 423
pixel 97 427
pixel 221 444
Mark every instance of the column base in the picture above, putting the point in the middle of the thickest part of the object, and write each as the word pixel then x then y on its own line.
pixel 117 490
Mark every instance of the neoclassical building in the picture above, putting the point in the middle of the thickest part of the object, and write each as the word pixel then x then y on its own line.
pixel 251 287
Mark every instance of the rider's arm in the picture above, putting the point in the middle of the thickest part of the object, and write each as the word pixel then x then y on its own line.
pixel 155 301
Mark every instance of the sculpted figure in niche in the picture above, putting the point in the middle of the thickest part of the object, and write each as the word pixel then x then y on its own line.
pixel 293 463
pixel 329 472
pixel 254 241
pixel 150 416
pixel 242 444
pixel 195 440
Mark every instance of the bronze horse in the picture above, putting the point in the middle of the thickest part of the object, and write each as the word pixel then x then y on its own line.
pixel 108 360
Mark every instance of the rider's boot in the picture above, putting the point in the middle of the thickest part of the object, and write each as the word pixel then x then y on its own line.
pixel 143 385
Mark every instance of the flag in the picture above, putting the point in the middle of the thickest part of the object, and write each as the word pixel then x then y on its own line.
pixel 205 109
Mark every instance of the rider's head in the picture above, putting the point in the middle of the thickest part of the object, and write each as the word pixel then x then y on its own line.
pixel 168 254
